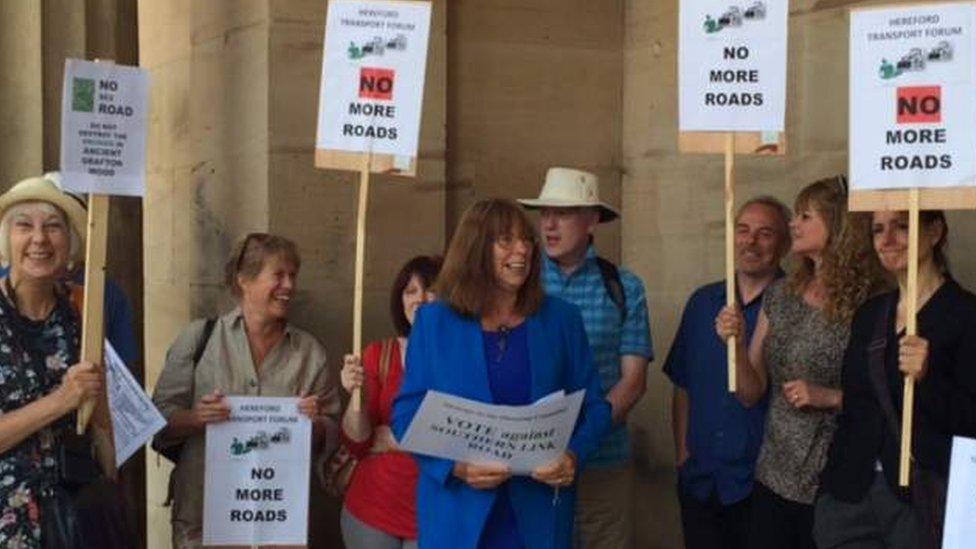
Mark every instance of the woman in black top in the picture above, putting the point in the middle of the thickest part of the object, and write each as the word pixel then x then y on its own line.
pixel 860 504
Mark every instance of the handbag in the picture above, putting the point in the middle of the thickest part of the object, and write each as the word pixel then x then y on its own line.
pixel 342 464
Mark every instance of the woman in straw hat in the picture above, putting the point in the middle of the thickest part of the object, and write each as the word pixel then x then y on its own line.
pixel 495 337
pixel 42 380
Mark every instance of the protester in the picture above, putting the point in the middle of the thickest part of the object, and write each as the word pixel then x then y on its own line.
pixel 860 502
pixel 614 309
pixel 252 350
pixel 119 318
pixel 795 353
pixel 716 437
pixel 380 508
pixel 43 501
pixel 495 337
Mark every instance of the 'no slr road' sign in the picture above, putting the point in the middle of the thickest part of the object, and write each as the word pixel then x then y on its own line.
pixel 913 99
pixel 104 110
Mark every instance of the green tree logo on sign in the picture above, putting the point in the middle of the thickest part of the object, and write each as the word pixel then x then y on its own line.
pixel 83 95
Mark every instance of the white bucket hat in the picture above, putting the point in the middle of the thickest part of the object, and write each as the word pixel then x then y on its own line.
pixel 568 188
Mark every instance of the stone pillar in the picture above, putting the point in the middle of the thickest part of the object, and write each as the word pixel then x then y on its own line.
pixel 231 142
pixel 21 111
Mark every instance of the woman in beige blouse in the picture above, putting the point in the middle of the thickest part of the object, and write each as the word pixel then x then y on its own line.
pixel 252 350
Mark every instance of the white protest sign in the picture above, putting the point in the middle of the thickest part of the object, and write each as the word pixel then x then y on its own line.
pixel 104 113
pixel 960 519
pixel 913 114
pixel 135 419
pixel 257 474
pixel 373 69
pixel 732 65
pixel 522 437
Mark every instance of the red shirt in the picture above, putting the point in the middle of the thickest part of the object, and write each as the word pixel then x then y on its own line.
pixel 383 489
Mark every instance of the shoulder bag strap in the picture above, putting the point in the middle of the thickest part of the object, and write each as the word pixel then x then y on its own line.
pixel 876 367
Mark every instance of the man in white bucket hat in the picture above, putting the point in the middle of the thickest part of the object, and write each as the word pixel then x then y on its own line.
pixel 618 328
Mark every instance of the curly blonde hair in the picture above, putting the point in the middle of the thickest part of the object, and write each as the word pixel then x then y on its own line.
pixel 851 272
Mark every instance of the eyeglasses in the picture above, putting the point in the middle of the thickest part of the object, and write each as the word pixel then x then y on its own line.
pixel 507 241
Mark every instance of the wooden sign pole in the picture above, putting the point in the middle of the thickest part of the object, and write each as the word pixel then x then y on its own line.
pixel 911 327
pixel 730 289
pixel 92 321
pixel 356 398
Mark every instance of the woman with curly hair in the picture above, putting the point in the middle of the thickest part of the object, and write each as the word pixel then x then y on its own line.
pixel 796 354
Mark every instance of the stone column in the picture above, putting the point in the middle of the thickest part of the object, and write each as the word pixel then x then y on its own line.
pixel 231 142
pixel 21 111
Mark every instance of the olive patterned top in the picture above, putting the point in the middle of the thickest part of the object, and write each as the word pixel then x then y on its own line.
pixel 802 343
pixel 33 358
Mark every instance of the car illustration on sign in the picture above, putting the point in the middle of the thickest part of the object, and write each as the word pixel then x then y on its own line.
pixel 734 17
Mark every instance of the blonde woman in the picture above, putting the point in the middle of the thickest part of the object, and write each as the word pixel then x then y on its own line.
pixel 796 353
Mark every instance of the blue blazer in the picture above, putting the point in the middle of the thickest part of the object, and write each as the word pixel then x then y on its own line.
pixel 446 354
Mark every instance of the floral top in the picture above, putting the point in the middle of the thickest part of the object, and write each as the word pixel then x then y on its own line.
pixel 33 358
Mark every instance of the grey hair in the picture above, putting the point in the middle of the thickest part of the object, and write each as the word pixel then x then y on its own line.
pixel 777 205
pixel 74 239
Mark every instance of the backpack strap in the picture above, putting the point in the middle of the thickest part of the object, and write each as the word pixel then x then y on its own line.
pixel 202 341
pixel 876 368
pixel 386 355
pixel 613 285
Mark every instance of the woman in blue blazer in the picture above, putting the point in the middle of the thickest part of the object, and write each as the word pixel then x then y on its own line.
pixel 495 337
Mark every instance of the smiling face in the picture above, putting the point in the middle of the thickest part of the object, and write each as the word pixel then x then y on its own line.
pixel 759 240
pixel 810 233
pixel 511 260
pixel 40 241
pixel 889 232
pixel 566 232
pixel 269 294
pixel 414 295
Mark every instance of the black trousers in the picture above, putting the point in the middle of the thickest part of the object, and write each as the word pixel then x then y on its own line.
pixel 778 523
pixel 711 525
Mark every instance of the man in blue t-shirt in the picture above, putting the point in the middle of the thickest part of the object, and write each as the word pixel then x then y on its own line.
pixel 617 325
pixel 716 438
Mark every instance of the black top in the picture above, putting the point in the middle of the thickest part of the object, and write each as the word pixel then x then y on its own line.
pixel 945 400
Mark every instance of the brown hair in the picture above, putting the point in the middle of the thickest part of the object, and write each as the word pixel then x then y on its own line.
pixel 850 266
pixel 423 267
pixel 927 218
pixel 249 255
pixel 468 274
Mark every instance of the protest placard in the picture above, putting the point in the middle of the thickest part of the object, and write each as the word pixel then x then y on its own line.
pixel 371 94
pixel 960 517
pixel 521 437
pixel 104 109
pixel 732 79
pixel 257 474
pixel 732 65
pixel 373 69
pixel 913 117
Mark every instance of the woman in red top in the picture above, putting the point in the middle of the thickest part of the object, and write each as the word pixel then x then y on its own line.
pixel 379 509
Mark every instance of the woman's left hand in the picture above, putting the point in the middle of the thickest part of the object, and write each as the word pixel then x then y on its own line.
pixel 913 354
pixel 561 472
pixel 309 405
pixel 801 393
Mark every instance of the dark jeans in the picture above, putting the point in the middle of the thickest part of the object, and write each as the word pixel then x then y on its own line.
pixel 879 521
pixel 711 525
pixel 778 523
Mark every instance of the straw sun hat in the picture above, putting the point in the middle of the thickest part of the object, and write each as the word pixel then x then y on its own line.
pixel 47 188
pixel 568 188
